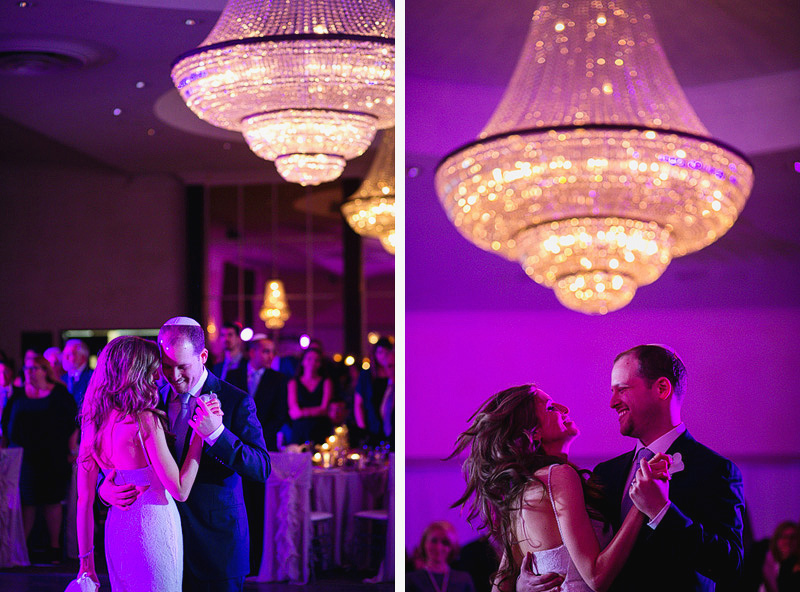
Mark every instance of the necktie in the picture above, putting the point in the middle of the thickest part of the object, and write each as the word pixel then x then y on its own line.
pixel 181 424
pixel 252 381
pixel 387 409
pixel 627 502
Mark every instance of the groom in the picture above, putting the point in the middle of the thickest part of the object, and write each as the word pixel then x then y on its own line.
pixel 693 540
pixel 213 518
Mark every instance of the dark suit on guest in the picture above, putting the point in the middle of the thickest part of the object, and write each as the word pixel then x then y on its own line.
pixel 77 387
pixel 271 400
pixel 273 411
pixel 213 518
pixel 699 540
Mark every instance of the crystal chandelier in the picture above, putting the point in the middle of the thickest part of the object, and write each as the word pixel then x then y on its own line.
pixel 275 310
pixel 371 210
pixel 307 82
pixel 594 171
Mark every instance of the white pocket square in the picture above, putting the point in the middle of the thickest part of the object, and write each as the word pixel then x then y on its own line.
pixel 677 464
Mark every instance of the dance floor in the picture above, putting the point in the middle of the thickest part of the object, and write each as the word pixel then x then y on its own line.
pixel 56 578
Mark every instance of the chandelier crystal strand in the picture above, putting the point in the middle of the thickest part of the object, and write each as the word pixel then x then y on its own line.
pixel 594 171
pixel 308 82
pixel 275 310
pixel 371 211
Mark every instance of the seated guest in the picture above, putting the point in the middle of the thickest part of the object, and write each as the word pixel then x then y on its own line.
pixel 789 543
pixel 437 550
pixel 41 419
pixel 268 389
pixel 309 394
pixel 232 350
pixel 76 364
pixel 374 397
pixel 782 546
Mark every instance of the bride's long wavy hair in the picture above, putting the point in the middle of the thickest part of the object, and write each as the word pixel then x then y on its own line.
pixel 504 455
pixel 124 381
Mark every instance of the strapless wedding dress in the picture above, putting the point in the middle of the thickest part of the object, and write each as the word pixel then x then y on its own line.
pixel 144 544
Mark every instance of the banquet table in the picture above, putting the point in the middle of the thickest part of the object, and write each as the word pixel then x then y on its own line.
pixel 343 491
pixel 13 550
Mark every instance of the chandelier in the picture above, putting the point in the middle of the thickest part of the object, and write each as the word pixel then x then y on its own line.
pixel 594 171
pixel 275 310
pixel 371 210
pixel 307 82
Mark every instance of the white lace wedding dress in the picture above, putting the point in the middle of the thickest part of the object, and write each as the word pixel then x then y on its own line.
pixel 144 544
pixel 558 559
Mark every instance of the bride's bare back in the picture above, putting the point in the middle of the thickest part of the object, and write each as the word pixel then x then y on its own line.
pixel 535 526
pixel 120 445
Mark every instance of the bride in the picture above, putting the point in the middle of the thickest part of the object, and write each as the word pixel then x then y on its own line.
pixel 124 434
pixel 540 507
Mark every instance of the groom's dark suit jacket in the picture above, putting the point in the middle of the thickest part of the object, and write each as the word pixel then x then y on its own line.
pixel 699 540
pixel 213 519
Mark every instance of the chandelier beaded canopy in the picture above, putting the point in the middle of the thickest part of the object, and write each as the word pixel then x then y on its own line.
pixel 594 171
pixel 370 212
pixel 307 82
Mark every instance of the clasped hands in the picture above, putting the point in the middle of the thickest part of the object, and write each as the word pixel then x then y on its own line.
pixel 649 489
pixel 206 418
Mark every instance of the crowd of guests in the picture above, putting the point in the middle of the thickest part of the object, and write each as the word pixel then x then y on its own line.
pixel 299 400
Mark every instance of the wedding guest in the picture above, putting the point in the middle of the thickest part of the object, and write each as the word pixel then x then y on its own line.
pixel 374 399
pixel 76 365
pixel 309 394
pixel 432 558
pixel 53 355
pixel 268 389
pixel 232 350
pixel 782 546
pixel 7 387
pixel 41 419
pixel 789 575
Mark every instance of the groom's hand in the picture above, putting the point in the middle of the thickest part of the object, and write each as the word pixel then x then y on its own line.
pixel 649 492
pixel 119 496
pixel 204 421
pixel 531 582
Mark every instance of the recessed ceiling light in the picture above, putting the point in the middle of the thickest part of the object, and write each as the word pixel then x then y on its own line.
pixel 117 111
pixel 140 84
pixel 190 22
pixel 797 167
pixel 23 4
pixel 151 132
pixel 412 172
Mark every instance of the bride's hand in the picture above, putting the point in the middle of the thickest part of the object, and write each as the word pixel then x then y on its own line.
pixel 650 494
pixel 659 465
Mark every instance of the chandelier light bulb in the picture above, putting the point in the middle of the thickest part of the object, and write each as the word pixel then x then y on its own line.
pixel 594 172
pixel 371 211
pixel 307 82
pixel 275 310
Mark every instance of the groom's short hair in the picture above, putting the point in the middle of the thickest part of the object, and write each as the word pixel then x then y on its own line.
pixel 656 361
pixel 192 334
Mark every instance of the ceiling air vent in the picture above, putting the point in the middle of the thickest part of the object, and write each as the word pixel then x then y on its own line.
pixel 30 57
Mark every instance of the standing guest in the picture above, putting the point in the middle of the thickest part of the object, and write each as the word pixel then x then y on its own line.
pixel 76 364
pixel 268 389
pixel 7 387
pixel 309 394
pixel 216 554
pixel 53 355
pixel 432 559
pixel 232 349
pixel 30 355
pixel 40 419
pixel 374 397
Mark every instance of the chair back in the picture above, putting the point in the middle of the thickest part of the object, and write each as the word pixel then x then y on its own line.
pixel 287 519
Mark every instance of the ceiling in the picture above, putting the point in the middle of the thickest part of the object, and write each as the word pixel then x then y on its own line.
pixel 91 79
pixel 739 64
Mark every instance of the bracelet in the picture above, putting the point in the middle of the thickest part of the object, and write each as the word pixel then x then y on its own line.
pixel 85 555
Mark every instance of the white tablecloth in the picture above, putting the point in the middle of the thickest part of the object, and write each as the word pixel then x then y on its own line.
pixel 343 492
pixel 13 550
pixel 287 520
